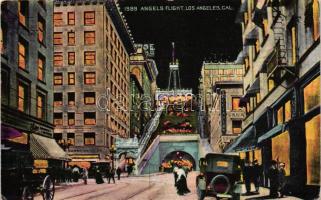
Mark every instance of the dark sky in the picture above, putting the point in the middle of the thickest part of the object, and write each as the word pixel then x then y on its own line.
pixel 198 35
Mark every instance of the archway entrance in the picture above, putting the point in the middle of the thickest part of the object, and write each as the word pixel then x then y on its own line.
pixel 178 158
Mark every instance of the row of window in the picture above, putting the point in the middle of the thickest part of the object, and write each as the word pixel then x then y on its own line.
pixel 89 138
pixel 89 38
pixel 89 58
pixel 89 18
pixel 89 118
pixel 89 98
pixel 89 78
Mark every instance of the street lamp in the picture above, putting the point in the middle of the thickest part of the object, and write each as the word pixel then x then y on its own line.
pixel 112 150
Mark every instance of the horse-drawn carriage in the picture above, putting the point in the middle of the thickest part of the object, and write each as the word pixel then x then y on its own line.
pixel 22 177
pixel 222 175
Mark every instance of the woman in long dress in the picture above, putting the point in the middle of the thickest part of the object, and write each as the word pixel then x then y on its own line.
pixel 181 183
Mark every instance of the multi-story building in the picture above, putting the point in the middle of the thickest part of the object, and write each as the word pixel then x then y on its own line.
pixel 281 58
pixel 26 78
pixel 143 74
pixel 225 116
pixel 92 44
pixel 210 74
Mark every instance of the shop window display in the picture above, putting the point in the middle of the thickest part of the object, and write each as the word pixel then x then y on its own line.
pixel 312 134
pixel 281 150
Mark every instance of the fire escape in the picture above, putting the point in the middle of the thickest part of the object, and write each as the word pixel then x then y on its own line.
pixel 279 66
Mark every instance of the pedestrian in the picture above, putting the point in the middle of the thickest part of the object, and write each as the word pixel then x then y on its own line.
pixel 75 174
pixel 273 175
pixel 69 174
pixel 256 175
pixel 118 172
pixel 175 174
pixel 181 183
pixel 111 175
pixel 282 179
pixel 201 186
pixel 85 175
pixel 247 174
pixel 98 176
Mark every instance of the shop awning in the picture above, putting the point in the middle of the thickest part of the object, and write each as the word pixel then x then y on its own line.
pixel 253 89
pixel 46 148
pixel 271 133
pixel 241 142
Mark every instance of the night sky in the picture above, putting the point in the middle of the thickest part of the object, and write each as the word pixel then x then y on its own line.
pixel 198 35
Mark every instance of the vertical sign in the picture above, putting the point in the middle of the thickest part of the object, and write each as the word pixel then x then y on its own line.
pixel 223 112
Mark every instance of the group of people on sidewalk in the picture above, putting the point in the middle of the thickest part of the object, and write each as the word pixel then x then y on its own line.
pixel 180 180
pixel 252 173
pixel 277 179
pixel 110 175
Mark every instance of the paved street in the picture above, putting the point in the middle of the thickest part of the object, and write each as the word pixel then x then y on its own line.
pixel 154 187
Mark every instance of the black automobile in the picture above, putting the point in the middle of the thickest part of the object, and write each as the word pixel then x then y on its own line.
pixel 222 174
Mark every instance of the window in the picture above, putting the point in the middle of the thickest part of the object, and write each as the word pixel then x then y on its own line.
pixel 41 106
pixel 58 38
pixel 90 78
pixel 235 103
pixel 58 19
pixel 89 37
pixel 41 67
pixel 312 134
pixel 71 58
pixel 71 138
pixel 311 95
pixel 22 50
pixel 89 138
pixel 58 99
pixel 71 18
pixel 58 79
pixel 281 150
pixel 58 119
pixel 23 94
pixel 5 86
pixel 89 98
pixel 4 37
pixel 71 38
pixel 284 112
pixel 316 19
pixel 265 27
pixel 89 18
pixel 90 57
pixel 293 43
pixel 71 119
pixel 71 78
pixel 89 118
pixel 71 98
pixel 271 84
pixel 246 64
pixel 236 127
pixel 41 29
pixel 23 7
pixel 58 59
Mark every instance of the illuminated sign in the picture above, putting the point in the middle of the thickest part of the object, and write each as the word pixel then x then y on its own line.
pixel 148 48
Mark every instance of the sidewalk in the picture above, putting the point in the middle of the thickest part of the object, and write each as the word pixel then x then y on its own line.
pixel 264 194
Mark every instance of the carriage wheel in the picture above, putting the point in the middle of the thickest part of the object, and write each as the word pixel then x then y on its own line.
pixel 48 188
pixel 27 193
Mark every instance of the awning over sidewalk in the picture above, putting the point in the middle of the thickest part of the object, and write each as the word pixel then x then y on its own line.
pixel 244 141
pixel 271 133
pixel 253 89
pixel 46 148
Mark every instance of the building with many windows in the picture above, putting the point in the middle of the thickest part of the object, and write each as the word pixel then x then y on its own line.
pixel 281 56
pixel 91 77
pixel 212 73
pixel 26 79
pixel 225 116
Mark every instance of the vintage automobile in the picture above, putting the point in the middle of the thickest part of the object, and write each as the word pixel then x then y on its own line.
pixel 21 179
pixel 222 175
